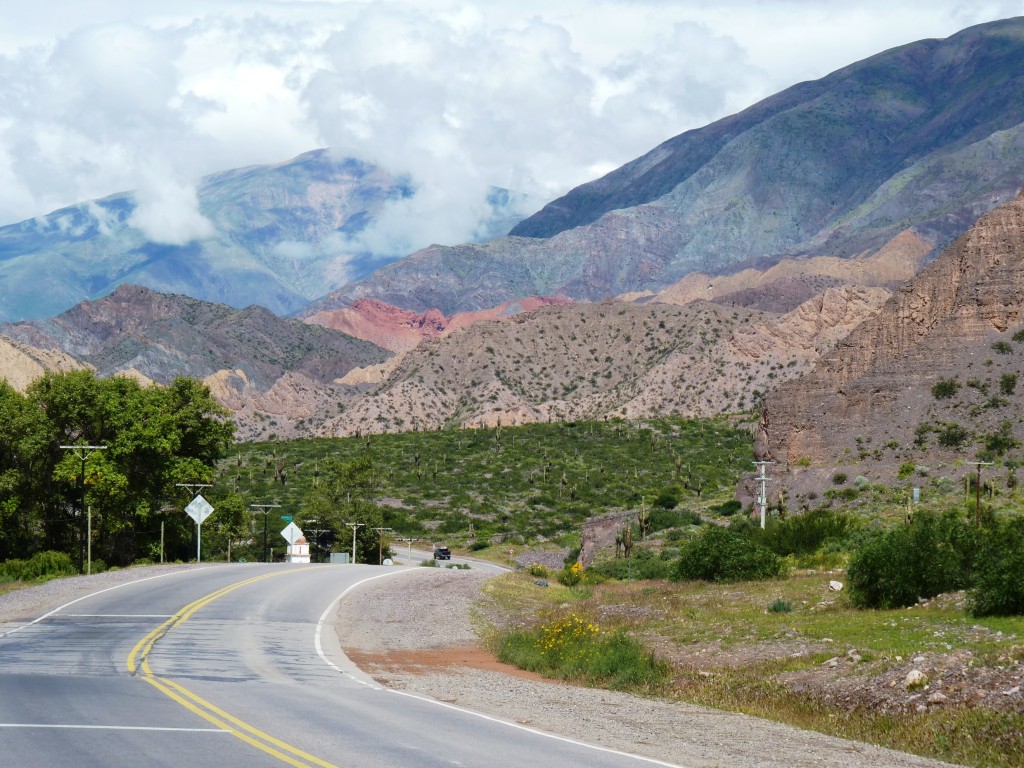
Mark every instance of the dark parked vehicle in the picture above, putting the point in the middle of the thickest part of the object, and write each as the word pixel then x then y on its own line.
pixel 442 553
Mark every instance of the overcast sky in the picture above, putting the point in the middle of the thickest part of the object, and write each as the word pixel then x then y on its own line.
pixel 532 95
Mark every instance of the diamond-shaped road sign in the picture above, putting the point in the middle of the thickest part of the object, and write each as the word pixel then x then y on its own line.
pixel 199 509
pixel 292 533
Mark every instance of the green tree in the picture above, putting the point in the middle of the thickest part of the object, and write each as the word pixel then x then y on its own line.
pixel 155 437
pixel 343 497
pixel 920 559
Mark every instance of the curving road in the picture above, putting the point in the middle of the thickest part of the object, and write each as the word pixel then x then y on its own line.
pixel 233 666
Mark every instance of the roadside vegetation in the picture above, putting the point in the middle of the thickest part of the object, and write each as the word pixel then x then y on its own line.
pixel 908 634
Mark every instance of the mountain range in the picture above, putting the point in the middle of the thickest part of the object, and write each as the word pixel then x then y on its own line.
pixel 282 235
pixel 922 138
pixel 708 275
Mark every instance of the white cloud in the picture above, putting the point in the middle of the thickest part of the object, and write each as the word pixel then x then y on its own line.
pixel 168 212
pixel 460 95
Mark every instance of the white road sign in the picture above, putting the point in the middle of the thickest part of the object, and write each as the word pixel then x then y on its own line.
pixel 292 533
pixel 199 509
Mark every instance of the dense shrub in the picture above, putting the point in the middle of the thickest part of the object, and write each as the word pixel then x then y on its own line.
pixel 668 498
pixel 642 566
pixel 998 588
pixel 920 559
pixel 952 435
pixel 662 519
pixel 726 554
pixel 806 533
pixel 726 508
pixel 571 575
pixel 572 647
pixel 42 565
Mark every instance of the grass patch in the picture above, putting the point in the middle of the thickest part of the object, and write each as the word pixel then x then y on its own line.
pixel 741 653
pixel 571 647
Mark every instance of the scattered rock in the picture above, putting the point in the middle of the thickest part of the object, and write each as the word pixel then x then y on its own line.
pixel 915 679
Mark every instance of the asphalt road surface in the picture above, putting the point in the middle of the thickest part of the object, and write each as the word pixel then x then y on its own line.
pixel 228 666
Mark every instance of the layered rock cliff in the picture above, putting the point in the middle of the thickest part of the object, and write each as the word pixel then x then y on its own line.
pixel 871 402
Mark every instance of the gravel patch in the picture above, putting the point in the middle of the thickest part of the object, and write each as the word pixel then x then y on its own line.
pixel 398 629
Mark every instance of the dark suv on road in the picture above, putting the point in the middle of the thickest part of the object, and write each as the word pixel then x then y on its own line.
pixel 442 553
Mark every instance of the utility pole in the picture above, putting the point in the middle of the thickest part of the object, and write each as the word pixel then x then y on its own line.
pixel 83 452
pixel 763 479
pixel 977 490
pixel 265 509
pixel 315 530
pixel 380 544
pixel 409 540
pixel 354 526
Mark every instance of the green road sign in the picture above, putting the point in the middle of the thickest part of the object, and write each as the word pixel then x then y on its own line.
pixel 286 518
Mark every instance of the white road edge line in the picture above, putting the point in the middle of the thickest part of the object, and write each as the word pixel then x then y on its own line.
pixel 93 594
pixel 481 715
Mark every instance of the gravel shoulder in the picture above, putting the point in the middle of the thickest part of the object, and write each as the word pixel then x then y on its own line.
pixel 415 633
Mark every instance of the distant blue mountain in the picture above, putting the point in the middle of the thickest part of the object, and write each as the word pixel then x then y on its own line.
pixel 281 234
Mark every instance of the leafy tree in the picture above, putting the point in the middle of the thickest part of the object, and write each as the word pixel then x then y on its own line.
pixel 155 437
pixel 998 589
pixel 342 497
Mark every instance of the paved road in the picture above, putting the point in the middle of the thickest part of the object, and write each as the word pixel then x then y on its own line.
pixel 232 666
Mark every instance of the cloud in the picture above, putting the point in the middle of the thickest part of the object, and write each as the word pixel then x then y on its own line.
pixel 168 212
pixel 460 96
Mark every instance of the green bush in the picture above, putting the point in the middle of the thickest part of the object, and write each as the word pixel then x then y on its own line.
pixel 727 508
pixel 780 606
pixel 668 498
pixel 998 588
pixel 42 565
pixel 945 388
pixel 726 555
pixel 807 533
pixel 896 567
pixel 538 570
pixel 952 435
pixel 571 647
pixel 643 566
pixel 571 575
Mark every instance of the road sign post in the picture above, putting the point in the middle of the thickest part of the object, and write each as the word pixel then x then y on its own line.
pixel 199 509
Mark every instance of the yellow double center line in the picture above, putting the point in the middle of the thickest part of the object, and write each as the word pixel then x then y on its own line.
pixel 138 664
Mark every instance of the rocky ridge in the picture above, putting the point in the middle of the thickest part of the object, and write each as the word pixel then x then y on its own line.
pixel 869 402
pixel 606 359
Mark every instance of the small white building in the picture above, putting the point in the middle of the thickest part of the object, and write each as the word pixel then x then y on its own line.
pixel 299 551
